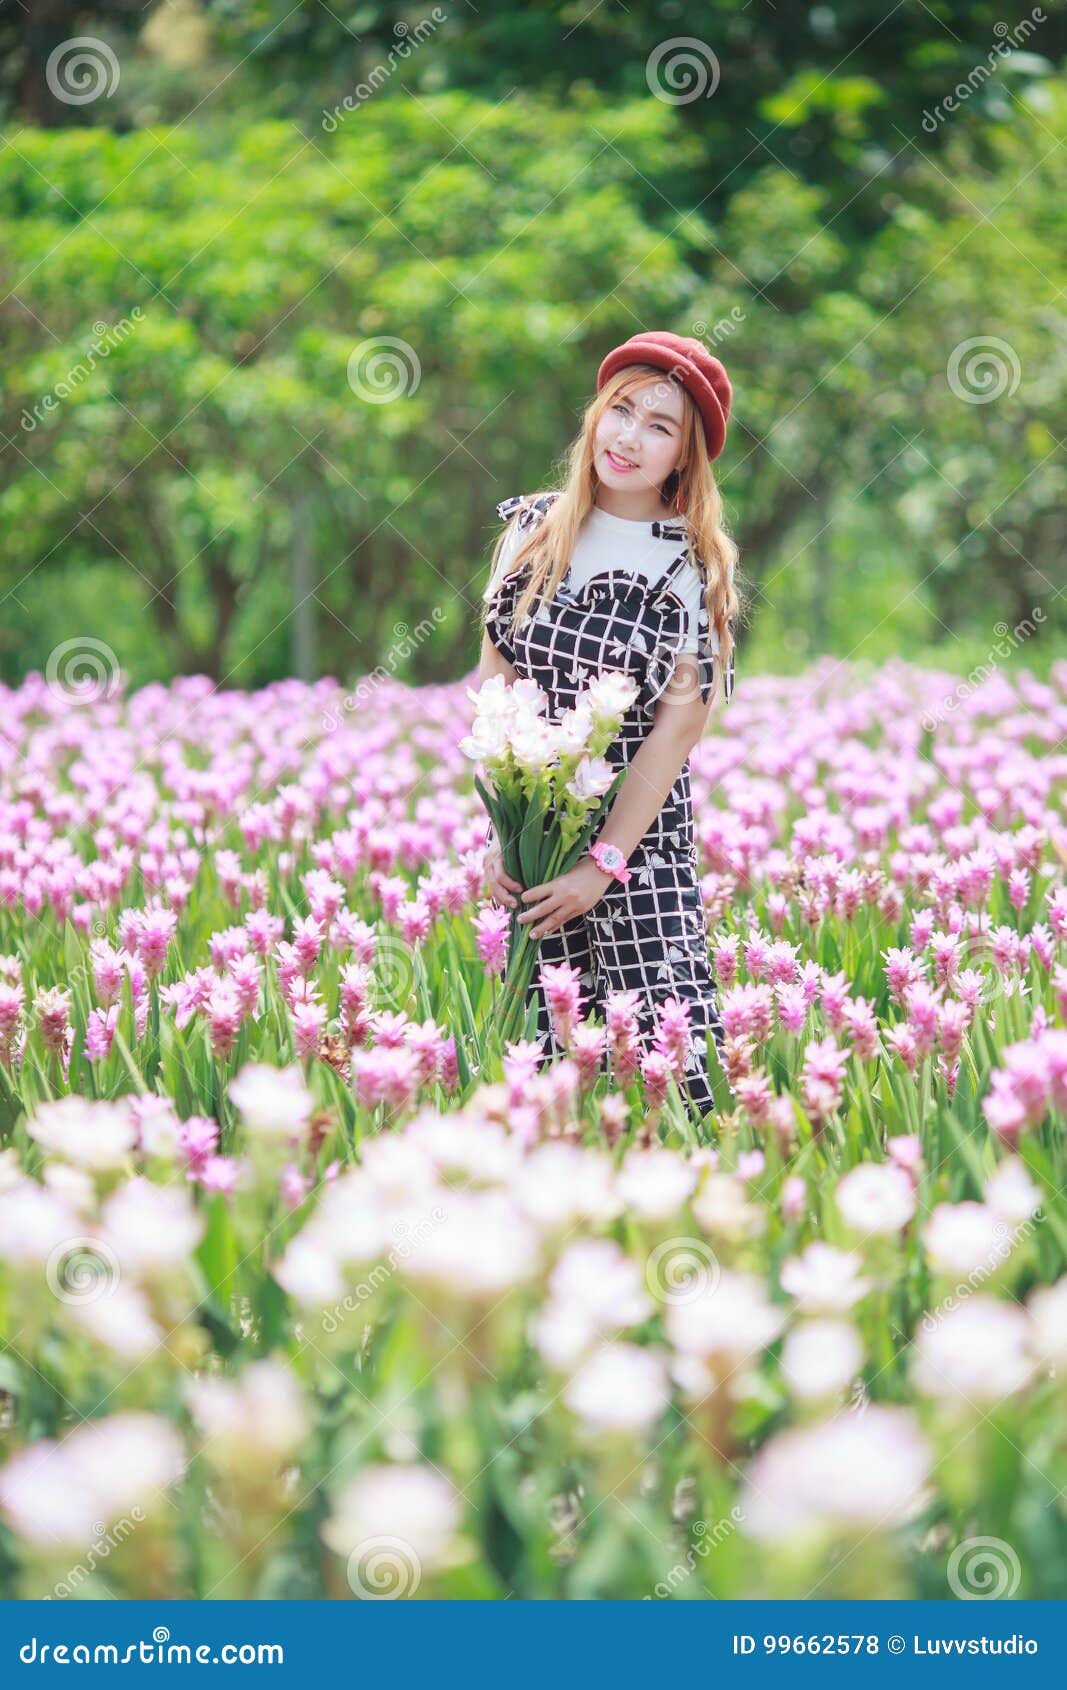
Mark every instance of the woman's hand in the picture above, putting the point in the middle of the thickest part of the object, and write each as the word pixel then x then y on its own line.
pixel 565 897
pixel 501 885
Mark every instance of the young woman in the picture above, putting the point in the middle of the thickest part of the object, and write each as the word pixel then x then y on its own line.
pixel 628 567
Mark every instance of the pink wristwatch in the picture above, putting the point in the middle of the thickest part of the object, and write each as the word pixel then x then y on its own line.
pixel 610 859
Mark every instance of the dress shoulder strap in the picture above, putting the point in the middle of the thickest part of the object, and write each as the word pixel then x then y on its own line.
pixel 531 507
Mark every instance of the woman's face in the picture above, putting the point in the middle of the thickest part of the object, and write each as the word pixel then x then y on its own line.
pixel 638 439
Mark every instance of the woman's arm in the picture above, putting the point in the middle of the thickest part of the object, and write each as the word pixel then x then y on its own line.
pixel 679 723
pixel 491 662
pixel 680 720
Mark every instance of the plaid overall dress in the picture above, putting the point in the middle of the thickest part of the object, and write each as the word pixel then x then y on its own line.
pixel 650 934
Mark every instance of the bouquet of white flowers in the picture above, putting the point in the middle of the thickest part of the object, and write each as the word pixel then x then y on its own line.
pixel 551 785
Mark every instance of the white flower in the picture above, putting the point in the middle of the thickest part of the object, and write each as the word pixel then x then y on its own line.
pixel 575 726
pixel 534 745
pixel 963 1238
pixel 560 1185
pixel 975 1353
pixel 159 1127
pixel 152 1226
pixel 259 1417
pixel 481 1246
pixel 621 1388
pixel 1048 1323
pixel 474 1149
pixel 309 1275
pixel 1011 1193
pixel 732 1319
pixel 610 694
pixel 820 1357
pixel 876 1197
pixel 592 778
pixel 655 1183
pixel 525 695
pixel 10 1169
pixel 33 1222
pixel 408 1505
pixel 71 1185
pixel 93 1135
pixel 723 1209
pixel 823 1278
pixel 595 1290
pixel 851 1474
pixel 487 741
pixel 120 1320
pixel 55 1494
pixel 272 1102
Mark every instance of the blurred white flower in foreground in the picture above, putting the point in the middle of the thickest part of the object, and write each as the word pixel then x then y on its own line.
pixel 853 1473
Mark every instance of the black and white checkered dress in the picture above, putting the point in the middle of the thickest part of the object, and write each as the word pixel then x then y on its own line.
pixel 649 934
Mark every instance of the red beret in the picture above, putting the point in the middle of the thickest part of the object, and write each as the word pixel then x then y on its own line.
pixel 690 363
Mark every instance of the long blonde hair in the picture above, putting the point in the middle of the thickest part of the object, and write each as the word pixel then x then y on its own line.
pixel 690 494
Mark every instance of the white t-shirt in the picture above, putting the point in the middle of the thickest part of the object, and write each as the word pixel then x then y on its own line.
pixel 615 542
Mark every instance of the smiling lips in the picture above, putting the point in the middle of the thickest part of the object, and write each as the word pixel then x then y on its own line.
pixel 618 463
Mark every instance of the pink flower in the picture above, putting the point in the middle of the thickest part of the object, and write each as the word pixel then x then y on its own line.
pixel 198 1140
pixel 822 1077
pixel 724 959
pixel 264 930
pixel 588 1044
pixel 623 1030
pixel 224 1017
pixel 748 1010
pixel 52 1008
pixel 491 928
pixel 562 988
pixel 108 972
pixel 100 1031
pixel 792 1008
pixel 906 1151
pixel 672 1035
pixel 153 936
pixel 656 1074
pixel 834 995
pixel 219 1173
pixel 922 1001
pixel 294 1186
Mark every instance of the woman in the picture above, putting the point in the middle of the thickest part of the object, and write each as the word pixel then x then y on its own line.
pixel 628 567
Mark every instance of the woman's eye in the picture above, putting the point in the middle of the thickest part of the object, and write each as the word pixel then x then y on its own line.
pixel 620 407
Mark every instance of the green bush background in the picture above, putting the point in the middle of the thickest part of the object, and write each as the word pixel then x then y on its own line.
pixel 511 201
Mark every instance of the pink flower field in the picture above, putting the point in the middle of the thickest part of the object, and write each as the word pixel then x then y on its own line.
pixel 312 1286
